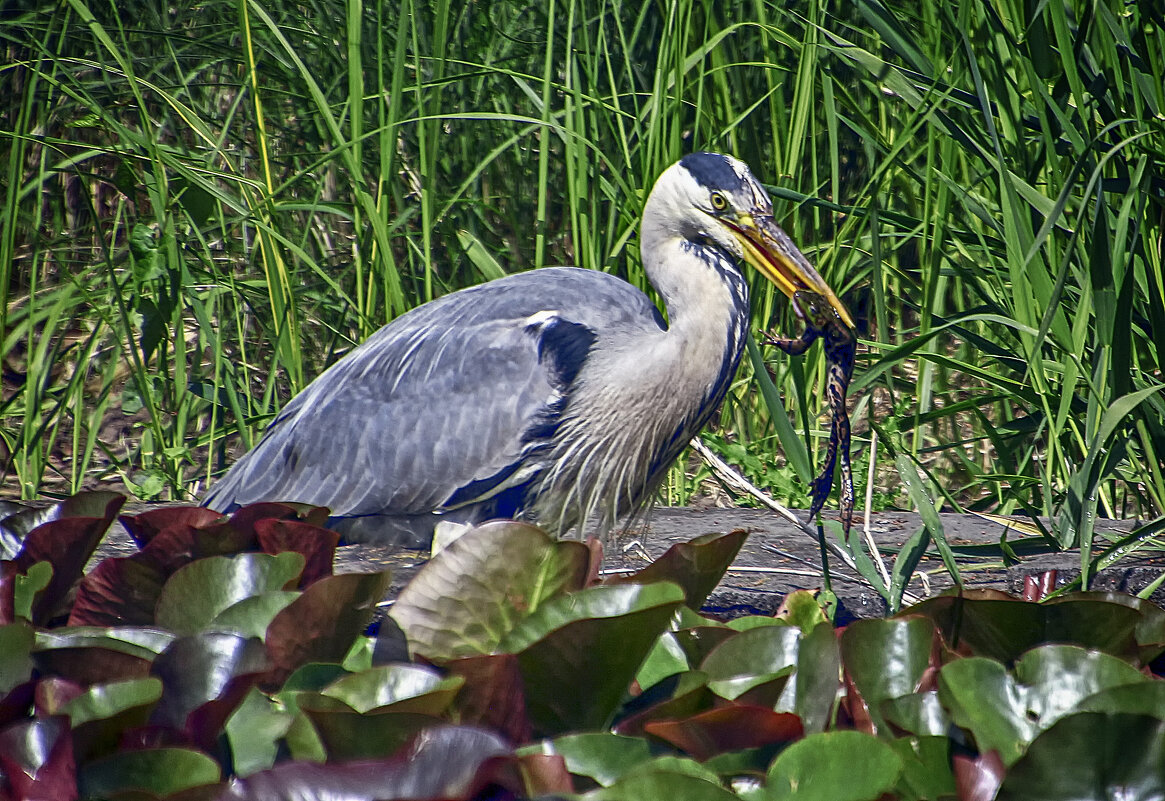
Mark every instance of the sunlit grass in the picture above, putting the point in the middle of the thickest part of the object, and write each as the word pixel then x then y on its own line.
pixel 205 206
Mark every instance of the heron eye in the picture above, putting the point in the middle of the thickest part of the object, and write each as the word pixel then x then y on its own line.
pixel 719 202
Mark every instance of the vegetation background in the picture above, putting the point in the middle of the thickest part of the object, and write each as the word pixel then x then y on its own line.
pixel 205 203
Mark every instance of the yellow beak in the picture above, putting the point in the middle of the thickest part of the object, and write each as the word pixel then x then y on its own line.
pixel 769 249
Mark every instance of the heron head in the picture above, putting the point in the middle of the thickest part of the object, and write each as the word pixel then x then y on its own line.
pixel 714 199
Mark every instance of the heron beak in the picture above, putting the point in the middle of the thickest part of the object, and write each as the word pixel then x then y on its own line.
pixel 773 254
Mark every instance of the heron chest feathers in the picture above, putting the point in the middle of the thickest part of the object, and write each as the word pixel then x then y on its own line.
pixel 633 402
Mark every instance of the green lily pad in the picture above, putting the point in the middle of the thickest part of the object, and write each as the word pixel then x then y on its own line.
pixel 926 767
pixel 887 658
pixel 471 594
pixel 16 641
pixel 106 700
pixel 160 771
pixel 1004 628
pixel 201 590
pixel 920 714
pixel 657 781
pixel 834 766
pixel 1006 713
pixel 600 756
pixel 104 712
pixel 252 616
pixel 254 732
pixel 401 688
pixel 1092 756
pixel 752 658
pixel 666 658
pixel 578 653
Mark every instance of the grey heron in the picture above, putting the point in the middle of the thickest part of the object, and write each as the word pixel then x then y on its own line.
pixel 560 395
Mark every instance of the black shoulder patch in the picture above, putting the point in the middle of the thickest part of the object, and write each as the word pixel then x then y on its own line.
pixel 712 171
pixel 563 347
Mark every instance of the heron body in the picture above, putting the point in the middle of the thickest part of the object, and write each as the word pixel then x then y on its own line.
pixel 559 395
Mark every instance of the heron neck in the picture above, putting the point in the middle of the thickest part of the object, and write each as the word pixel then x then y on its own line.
pixel 701 288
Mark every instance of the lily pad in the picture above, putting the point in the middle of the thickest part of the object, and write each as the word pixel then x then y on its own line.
pixel 493 695
pixel 196 593
pixel 728 728
pixel 160 771
pixel 600 756
pixel 471 594
pixel 574 673
pixel 36 759
pixel 696 566
pixel 1092 756
pixel 399 688
pixel 834 766
pixel 887 658
pixel 322 624
pixel 447 762
pixel 1000 627
pixel 1005 713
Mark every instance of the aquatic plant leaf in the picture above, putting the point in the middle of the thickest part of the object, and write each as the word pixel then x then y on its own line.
pixel 887 658
pixel 448 762
pixel 574 679
pixel 198 592
pixel 122 591
pixel 492 696
pixel 36 759
pixel 1006 712
pixel 205 676
pixel 600 756
pixel 926 767
pixel 315 544
pixel 998 626
pixel 159 771
pixel 399 688
pixel 834 766
pixel 322 624
pixel 143 527
pixel 727 728
pixel 65 536
pixel 514 569
pixel 1091 756
pixel 662 783
pixel 96 655
pixel 104 712
pixel 16 640
pixel 696 566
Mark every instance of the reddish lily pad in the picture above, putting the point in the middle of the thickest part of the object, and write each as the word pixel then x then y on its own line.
pixel 36 759
pixel 316 545
pixel 492 696
pixel 322 624
pixel 728 728
pixel 454 763
pixel 696 566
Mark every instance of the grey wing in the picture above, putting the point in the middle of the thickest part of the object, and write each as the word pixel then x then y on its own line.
pixel 442 406
pixel 402 423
